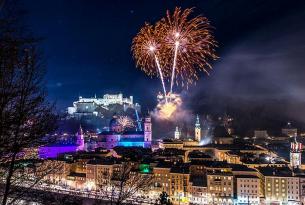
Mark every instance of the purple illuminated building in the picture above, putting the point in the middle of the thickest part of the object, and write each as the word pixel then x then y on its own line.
pixel 53 150
pixel 117 137
pixel 80 140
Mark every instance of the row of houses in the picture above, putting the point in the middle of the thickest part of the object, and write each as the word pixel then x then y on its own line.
pixel 197 181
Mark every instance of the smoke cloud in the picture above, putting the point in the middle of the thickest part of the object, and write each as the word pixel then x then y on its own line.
pixel 265 70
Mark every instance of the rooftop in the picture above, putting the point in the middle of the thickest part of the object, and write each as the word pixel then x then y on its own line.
pixel 198 154
pixel 246 176
pixel 164 164
pixel 240 167
pixel 275 171
pixel 219 172
pixel 181 169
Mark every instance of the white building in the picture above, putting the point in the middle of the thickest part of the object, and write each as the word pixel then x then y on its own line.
pixel 281 185
pixel 260 134
pixel 198 190
pixel 295 154
pixel 197 130
pixel 89 105
pixel 177 133
pixel 302 189
pixel 248 189
pixel 220 187
pixel 293 190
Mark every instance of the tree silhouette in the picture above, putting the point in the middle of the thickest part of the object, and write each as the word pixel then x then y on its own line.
pixel 164 199
pixel 25 115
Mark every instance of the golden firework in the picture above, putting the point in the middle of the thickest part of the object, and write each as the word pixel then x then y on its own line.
pixel 126 122
pixel 146 48
pixel 189 45
pixel 177 47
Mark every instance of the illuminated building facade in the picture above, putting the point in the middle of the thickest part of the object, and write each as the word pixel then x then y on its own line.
pixel 295 154
pixel 179 185
pixel 260 134
pixel 53 150
pixel 99 172
pixel 177 133
pixel 88 106
pixel 302 189
pixel 80 140
pixel 162 178
pixel 197 130
pixel 116 136
pixel 248 189
pixel 199 190
pixel 280 185
pixel 220 187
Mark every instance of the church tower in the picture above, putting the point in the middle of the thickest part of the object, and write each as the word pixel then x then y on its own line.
pixel 295 153
pixel 177 133
pixel 197 130
pixel 80 140
pixel 147 132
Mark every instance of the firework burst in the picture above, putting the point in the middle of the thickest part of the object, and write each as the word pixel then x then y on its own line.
pixel 126 122
pixel 146 47
pixel 166 110
pixel 189 45
pixel 178 46
pixel 175 49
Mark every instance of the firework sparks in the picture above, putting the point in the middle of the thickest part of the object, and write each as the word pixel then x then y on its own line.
pixel 190 42
pixel 176 49
pixel 178 45
pixel 126 122
pixel 146 48
pixel 166 110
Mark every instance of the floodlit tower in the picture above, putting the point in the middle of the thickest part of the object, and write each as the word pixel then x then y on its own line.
pixel 295 153
pixel 147 132
pixel 177 133
pixel 80 140
pixel 197 130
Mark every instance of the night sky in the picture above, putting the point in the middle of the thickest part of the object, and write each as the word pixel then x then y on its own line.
pixel 261 49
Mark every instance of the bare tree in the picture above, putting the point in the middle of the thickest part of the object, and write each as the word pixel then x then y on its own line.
pixel 125 183
pixel 25 115
pixel 163 199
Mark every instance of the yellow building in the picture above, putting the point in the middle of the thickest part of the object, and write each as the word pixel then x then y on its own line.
pixel 180 185
pixel 174 180
pixel 220 187
pixel 162 178
pixel 99 172
pixel 279 185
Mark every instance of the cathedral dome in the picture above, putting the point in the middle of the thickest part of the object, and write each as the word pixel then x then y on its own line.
pixel 114 125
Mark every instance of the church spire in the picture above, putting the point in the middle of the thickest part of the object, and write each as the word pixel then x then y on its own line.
pixel 197 129
pixel 80 141
pixel 197 124
pixel 177 133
